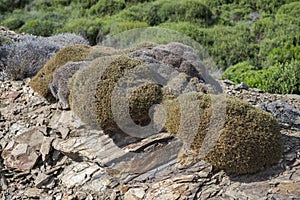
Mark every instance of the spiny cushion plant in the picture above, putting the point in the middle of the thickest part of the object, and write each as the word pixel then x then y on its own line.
pixel 141 97
pixel 40 82
pixel 59 84
pixel 83 87
pixel 249 140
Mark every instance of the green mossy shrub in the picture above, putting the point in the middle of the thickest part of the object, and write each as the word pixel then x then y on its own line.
pixel 38 27
pixel 13 23
pixel 174 11
pixel 89 28
pixel 250 138
pixel 8 5
pixel 243 72
pixel 141 97
pixel 107 7
pixel 40 82
pixel 282 78
pixel 291 9
pixel 83 86
pixel 119 27
pixel 282 55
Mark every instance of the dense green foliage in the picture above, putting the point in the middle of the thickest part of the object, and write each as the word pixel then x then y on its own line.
pixel 264 33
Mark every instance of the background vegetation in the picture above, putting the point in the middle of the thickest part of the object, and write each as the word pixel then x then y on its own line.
pixel 252 41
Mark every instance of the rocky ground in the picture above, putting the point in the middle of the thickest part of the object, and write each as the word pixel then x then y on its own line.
pixel 47 153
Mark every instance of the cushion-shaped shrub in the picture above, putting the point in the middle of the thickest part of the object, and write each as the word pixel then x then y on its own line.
pixel 83 87
pixel 249 140
pixel 40 82
pixel 140 96
pixel 27 56
pixel 59 84
pixel 67 39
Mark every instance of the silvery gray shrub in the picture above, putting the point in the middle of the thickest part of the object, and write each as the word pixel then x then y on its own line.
pixel 26 57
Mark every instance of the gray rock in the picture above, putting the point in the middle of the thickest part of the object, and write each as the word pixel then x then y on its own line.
pixel 33 137
pixel 228 82
pixel 42 180
pixel 78 174
pixel 242 86
pixel 284 113
pixel 46 147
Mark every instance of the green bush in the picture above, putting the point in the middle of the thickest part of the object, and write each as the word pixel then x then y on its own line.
pixel 282 55
pixel 119 27
pixel 263 28
pixel 89 28
pixel 38 27
pixel 13 23
pixel 264 6
pixel 291 9
pixel 175 11
pixel 250 138
pixel 8 5
pixel 107 7
pixel 240 73
pixel 282 78
pixel 226 45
